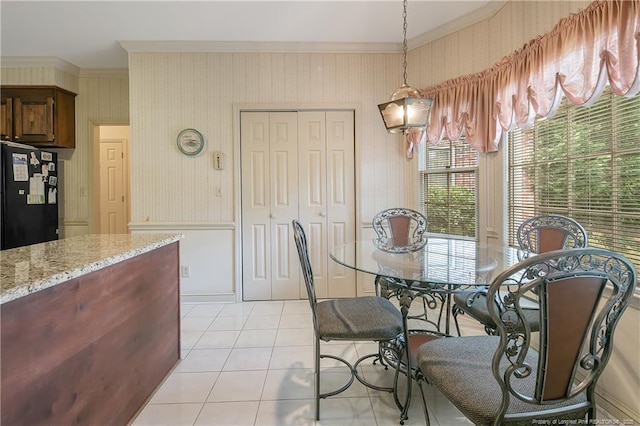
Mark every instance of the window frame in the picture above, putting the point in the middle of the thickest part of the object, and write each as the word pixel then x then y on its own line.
pixel 449 171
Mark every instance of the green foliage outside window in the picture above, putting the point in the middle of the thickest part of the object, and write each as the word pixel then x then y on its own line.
pixel 448 188
pixel 584 162
pixel 452 210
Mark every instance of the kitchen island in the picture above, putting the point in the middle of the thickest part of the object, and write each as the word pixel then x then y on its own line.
pixel 90 326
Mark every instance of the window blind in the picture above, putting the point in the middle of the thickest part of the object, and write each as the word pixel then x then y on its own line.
pixel 449 188
pixel 584 162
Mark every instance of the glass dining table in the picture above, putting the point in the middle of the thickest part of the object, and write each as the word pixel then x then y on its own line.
pixel 441 265
pixel 435 269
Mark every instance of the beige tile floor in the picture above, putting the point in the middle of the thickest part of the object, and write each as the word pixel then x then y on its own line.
pixel 251 363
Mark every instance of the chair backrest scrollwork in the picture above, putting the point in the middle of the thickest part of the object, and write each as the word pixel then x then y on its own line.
pixel 544 233
pixel 400 230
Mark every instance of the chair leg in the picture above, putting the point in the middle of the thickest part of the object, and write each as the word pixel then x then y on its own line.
pixel 396 377
pixel 381 358
pixel 454 313
pixel 316 376
pixel 424 403
pixel 406 297
pixel 445 310
pixel 591 414
pixel 404 415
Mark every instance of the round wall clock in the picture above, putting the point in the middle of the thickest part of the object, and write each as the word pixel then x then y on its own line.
pixel 190 142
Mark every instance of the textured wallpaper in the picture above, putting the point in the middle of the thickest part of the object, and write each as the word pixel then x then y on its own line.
pixel 173 91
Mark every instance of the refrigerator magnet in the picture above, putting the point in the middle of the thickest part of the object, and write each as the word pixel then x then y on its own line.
pixel 46 156
pixel 20 168
pixel 36 189
pixel 51 199
pixel 34 160
pixel 35 198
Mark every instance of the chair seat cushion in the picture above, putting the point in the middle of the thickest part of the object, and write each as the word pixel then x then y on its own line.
pixel 461 368
pixel 479 311
pixel 358 318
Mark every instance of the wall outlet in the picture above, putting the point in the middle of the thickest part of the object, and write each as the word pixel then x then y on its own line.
pixel 185 271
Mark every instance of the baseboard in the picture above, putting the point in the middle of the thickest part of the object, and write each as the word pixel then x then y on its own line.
pixel 618 410
pixel 208 298
pixel 613 406
pixel 73 227
pixel 179 226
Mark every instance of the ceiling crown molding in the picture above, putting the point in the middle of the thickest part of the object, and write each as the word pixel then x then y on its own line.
pixel 39 61
pixel 104 72
pixel 199 46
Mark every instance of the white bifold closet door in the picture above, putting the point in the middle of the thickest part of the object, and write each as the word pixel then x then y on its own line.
pixel 296 165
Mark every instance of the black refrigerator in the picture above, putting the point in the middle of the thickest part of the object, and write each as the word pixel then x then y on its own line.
pixel 29 195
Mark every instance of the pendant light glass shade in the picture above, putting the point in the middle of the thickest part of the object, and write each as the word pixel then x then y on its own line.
pixel 406 112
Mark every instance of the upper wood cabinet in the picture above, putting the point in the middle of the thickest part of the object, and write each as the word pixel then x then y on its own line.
pixel 38 115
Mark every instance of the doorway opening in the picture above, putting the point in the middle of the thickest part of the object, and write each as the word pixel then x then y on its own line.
pixel 111 179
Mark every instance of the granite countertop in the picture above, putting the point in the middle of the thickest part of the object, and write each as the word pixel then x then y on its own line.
pixel 25 270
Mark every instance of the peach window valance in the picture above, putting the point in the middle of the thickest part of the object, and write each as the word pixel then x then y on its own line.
pixel 583 53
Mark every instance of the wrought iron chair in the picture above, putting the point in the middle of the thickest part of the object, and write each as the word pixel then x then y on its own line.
pixel 517 375
pixel 401 230
pixel 536 235
pixel 369 318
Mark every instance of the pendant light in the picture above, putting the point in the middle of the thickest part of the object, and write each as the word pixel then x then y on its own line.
pixel 407 112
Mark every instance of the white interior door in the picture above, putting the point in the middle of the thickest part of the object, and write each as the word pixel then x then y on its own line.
pixel 256 206
pixel 341 196
pixel 285 269
pixel 327 195
pixel 269 204
pixel 112 196
pixel 296 165
pixel 312 168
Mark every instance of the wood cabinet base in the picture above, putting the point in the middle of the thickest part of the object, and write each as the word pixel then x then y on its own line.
pixel 92 350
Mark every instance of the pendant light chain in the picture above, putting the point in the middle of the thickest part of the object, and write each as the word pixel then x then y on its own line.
pixel 404 43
